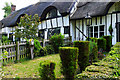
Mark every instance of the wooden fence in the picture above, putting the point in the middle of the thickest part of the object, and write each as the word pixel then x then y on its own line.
pixel 15 51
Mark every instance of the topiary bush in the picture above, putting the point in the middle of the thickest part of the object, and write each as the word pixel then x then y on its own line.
pixel 46 70
pixel 83 55
pixel 50 49
pixel 56 41
pixel 93 52
pixel 69 56
pixel 101 42
pixel 108 42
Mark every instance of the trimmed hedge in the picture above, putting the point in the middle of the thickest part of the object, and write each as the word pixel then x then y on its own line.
pixel 46 70
pixel 83 56
pixel 93 51
pixel 68 57
pixel 93 39
pixel 101 42
pixel 108 42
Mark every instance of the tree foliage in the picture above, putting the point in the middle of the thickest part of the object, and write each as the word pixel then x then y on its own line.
pixel 28 27
pixel 7 9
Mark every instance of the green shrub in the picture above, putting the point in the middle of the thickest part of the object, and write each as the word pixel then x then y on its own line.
pixel 107 68
pixel 93 51
pixel 115 49
pixel 83 56
pixel 0 42
pixel 108 42
pixel 68 57
pixel 56 41
pixel 37 47
pixel 5 39
pixel 43 51
pixel 101 42
pixel 46 70
pixel 50 49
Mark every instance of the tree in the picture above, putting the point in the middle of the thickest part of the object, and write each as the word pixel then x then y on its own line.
pixel 7 9
pixel 27 27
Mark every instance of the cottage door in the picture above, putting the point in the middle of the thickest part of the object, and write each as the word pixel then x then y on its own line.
pixel 118 31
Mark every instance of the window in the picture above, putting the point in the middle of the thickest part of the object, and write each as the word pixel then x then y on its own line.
pixel 101 20
pixel 96 20
pixel 66 30
pixel 91 31
pixel 41 34
pixel 52 13
pixel 11 36
pixel 101 32
pixel 53 31
pixel 96 31
pixel 4 34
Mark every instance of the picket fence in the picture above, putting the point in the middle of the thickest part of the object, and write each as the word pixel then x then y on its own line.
pixel 15 51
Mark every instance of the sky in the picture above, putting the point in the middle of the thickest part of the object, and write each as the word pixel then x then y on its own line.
pixel 19 4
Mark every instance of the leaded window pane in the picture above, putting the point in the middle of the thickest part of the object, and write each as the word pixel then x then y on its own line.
pixel 53 31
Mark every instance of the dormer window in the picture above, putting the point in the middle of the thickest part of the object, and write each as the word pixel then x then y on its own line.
pixel 53 13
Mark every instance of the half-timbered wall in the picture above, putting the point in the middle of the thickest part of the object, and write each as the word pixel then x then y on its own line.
pixel 59 22
pixel 8 32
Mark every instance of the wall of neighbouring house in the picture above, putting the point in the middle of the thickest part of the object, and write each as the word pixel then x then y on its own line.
pixel 100 26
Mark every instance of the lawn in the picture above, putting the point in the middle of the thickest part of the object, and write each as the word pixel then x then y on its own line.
pixel 29 68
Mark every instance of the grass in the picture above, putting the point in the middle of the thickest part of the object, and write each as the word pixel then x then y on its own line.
pixel 29 68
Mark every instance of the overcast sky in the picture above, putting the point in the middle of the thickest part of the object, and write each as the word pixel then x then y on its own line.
pixel 19 4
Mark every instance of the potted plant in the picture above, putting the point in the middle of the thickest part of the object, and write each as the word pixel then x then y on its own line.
pixel 110 29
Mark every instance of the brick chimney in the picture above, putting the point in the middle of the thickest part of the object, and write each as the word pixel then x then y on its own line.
pixel 13 7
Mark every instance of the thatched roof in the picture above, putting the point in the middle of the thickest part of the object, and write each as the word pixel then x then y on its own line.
pixel 12 19
pixel 93 8
pixel 40 8
pixel 0 25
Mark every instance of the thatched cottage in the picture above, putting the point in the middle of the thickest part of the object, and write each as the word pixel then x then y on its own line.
pixel 68 18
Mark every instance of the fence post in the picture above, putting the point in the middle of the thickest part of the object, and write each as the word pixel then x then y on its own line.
pixel 31 51
pixel 32 48
pixel 44 43
pixel 17 51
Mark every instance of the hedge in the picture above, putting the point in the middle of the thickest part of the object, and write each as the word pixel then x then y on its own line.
pixel 108 42
pixel 83 55
pixel 46 70
pixel 93 51
pixel 101 42
pixel 69 56
pixel 93 39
